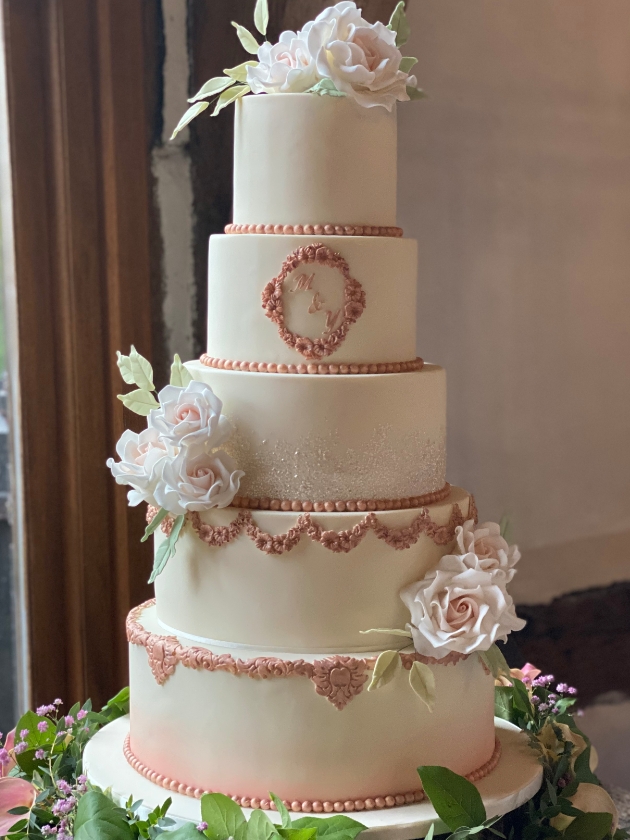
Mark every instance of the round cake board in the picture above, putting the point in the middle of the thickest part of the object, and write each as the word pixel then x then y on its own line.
pixel 516 779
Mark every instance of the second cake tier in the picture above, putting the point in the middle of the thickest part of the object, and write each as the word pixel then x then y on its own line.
pixel 332 439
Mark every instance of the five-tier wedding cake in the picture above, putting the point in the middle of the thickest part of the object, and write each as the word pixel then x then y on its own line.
pixel 295 476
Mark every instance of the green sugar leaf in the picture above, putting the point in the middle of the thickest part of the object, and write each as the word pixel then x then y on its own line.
pixel 190 115
pixel 260 827
pixel 399 24
pixel 415 93
pixel 140 402
pixel 430 832
pixel 385 669
pixel 213 86
pixel 141 370
pixel 248 42
pixel 154 523
pixel 180 375
pixel 495 662
pixel 239 73
pixel 282 809
pixel 165 552
pixel 223 815
pixel 98 818
pixel 591 826
pixel 422 681
pixel 326 87
pixel 407 63
pixel 229 96
pixel 124 366
pixel 456 800
pixel 261 16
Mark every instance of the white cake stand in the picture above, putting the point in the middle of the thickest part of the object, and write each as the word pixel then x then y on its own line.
pixel 515 780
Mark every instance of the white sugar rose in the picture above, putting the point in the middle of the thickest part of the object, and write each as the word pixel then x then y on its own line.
pixel 460 606
pixel 190 416
pixel 360 58
pixel 490 547
pixel 285 67
pixel 142 459
pixel 197 480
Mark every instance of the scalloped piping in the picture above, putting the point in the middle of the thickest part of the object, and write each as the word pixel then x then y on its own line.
pixel 317 230
pixel 335 541
pixel 321 368
pixel 166 652
pixel 308 806
pixel 352 505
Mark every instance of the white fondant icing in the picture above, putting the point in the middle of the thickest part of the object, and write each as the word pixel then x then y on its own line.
pixel 218 731
pixel 241 266
pixel 325 437
pixel 310 599
pixel 305 159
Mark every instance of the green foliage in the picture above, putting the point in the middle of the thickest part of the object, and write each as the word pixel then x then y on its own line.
pixel 167 548
pixel 589 827
pixel 422 682
pixel 189 116
pixel 415 93
pixel 154 524
pixel 495 662
pixel 180 375
pixel 117 706
pixel 326 87
pixel 139 401
pixel 224 817
pixel 261 16
pixel 229 96
pixel 260 827
pixel 210 88
pixel 456 800
pixel 385 669
pixel 248 42
pixel 407 62
pixel 239 73
pixel 98 818
pixel 282 809
pixel 337 827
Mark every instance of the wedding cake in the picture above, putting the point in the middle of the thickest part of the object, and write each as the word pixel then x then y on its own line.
pixel 326 607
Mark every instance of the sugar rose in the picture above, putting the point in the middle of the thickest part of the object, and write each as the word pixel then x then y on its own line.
pixel 285 67
pixel 141 464
pixel 486 542
pixel 460 606
pixel 190 416
pixel 198 480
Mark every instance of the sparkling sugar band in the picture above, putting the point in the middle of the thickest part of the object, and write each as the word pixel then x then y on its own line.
pixel 317 806
pixel 314 367
pixel 317 230
pixel 340 506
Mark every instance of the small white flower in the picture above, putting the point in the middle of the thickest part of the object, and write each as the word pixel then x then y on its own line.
pixel 142 459
pixel 460 606
pixel 197 480
pixel 190 416
pixel 490 547
pixel 285 67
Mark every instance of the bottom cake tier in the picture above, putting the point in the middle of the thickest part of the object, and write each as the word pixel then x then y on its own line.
pixel 305 727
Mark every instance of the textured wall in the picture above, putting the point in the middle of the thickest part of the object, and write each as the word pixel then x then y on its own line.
pixel 515 178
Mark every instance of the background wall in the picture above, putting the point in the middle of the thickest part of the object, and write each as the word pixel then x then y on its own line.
pixel 515 179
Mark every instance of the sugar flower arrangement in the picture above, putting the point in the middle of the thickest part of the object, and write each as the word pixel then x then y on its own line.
pixel 337 54
pixel 175 465
pixel 459 608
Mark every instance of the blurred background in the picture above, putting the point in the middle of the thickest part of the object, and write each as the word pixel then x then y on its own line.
pixel 514 176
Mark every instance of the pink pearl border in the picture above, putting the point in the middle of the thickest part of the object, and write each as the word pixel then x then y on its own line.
pixel 317 230
pixel 308 806
pixel 313 367
pixel 340 506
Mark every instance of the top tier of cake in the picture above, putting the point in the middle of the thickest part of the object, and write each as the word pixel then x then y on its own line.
pixel 302 159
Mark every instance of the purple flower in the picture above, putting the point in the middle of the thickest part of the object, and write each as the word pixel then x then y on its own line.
pixel 24 734
pixel 571 690
pixel 42 725
pixel 539 682
pixel 82 779
pixel 548 679
pixel 58 702
pixel 64 787
pixel 535 700
pixel 552 698
pixel 5 758
pixel 556 710
pixel 48 829
pixel 68 720
pixel 81 714
pixel 562 688
pixel 40 755
pixel 63 806
pixel 42 710
pixel 544 707
pixel 202 826
pixel 19 748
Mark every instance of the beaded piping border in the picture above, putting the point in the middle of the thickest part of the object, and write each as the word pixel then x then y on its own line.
pixel 337 678
pixel 336 541
pixel 317 230
pixel 321 368
pixel 351 505
pixel 316 805
pixel 353 302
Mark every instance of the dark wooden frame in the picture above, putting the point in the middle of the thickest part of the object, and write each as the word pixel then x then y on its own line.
pixel 81 89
